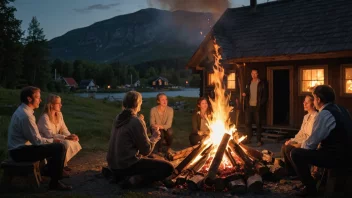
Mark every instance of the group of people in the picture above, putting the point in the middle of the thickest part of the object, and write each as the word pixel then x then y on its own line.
pixel 322 142
pixel 47 140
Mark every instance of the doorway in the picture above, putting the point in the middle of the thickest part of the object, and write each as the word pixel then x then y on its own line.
pixel 280 112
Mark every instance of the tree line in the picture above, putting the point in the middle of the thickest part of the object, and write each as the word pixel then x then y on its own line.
pixel 25 60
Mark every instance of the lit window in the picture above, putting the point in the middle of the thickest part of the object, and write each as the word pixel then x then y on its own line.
pixel 154 83
pixel 348 80
pixel 311 78
pixel 210 78
pixel 231 81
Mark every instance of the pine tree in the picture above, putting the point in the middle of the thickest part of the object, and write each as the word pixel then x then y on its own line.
pixel 36 53
pixel 10 46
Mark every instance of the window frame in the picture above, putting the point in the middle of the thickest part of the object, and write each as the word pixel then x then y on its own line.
pixel 310 67
pixel 227 80
pixel 343 68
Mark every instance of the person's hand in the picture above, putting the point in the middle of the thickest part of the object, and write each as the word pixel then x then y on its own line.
pixel 200 133
pixel 141 116
pixel 156 134
pixel 72 137
pixel 57 141
pixel 288 142
pixel 243 94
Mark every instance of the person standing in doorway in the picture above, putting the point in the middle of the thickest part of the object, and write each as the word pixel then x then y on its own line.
pixel 256 97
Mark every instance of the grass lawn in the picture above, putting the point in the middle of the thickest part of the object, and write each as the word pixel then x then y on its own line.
pixel 91 119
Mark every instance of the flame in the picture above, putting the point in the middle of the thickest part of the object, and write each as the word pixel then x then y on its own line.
pixel 219 123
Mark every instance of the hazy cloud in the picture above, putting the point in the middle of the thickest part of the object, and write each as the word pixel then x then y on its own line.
pixel 96 7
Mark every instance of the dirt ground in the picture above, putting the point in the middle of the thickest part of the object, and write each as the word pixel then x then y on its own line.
pixel 87 181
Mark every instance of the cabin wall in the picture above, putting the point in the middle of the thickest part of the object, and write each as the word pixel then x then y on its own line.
pixel 334 76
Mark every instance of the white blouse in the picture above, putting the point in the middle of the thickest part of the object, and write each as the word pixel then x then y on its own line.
pixel 50 130
pixel 306 128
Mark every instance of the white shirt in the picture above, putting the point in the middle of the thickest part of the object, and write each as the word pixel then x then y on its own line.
pixel 323 125
pixel 50 130
pixel 23 129
pixel 306 128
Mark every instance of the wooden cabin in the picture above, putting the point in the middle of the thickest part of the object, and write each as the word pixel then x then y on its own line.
pixel 295 44
pixel 160 83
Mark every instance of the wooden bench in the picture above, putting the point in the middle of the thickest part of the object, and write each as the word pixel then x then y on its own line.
pixel 31 170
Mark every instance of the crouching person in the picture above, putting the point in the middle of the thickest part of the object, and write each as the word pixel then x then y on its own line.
pixel 23 129
pixel 129 145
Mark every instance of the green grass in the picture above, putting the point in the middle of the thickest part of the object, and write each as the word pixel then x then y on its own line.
pixel 92 119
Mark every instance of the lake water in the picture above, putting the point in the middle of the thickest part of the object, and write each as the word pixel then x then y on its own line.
pixel 189 92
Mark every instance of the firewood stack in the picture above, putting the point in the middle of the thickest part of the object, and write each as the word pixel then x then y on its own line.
pixel 200 171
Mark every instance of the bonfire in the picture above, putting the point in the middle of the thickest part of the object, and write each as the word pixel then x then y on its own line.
pixel 220 162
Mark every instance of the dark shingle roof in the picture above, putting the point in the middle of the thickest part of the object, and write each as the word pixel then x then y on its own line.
pixel 285 27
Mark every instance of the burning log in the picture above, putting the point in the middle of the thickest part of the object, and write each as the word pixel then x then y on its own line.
pixel 255 183
pixel 189 158
pixel 182 178
pixel 218 157
pixel 219 184
pixel 238 150
pixel 198 165
pixel 182 153
pixel 230 157
pixel 195 182
pixel 253 152
pixel 261 168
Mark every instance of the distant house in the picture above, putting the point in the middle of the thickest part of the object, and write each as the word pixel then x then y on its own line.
pixel 160 82
pixel 137 83
pixel 88 85
pixel 70 83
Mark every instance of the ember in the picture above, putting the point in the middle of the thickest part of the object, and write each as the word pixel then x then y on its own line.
pixel 220 162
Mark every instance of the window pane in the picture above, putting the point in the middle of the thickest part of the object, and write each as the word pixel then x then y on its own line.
pixel 348 86
pixel 307 74
pixel 210 78
pixel 231 81
pixel 348 73
pixel 317 74
pixel 308 85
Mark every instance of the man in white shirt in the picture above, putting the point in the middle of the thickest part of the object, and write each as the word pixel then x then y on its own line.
pixel 331 131
pixel 23 130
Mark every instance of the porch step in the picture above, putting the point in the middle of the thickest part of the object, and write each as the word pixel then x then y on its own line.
pixel 273 137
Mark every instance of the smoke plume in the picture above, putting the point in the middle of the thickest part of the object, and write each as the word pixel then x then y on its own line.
pixel 216 7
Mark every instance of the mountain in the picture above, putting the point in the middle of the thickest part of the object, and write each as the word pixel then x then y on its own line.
pixel 146 35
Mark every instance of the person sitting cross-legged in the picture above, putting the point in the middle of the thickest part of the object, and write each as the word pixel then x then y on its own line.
pixel 129 146
pixel 199 121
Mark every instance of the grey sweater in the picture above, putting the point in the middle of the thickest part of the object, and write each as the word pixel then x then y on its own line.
pixel 128 143
pixel 166 120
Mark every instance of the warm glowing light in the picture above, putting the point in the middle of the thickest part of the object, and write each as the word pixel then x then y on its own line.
pixel 108 86
pixel 201 33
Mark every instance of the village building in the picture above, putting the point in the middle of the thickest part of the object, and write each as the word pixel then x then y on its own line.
pixel 160 83
pixel 88 85
pixel 70 83
pixel 295 45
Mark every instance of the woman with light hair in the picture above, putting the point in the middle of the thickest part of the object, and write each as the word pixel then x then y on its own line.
pixel 51 124
pixel 130 145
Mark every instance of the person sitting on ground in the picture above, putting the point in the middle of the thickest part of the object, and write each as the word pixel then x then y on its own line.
pixel 331 130
pixel 199 121
pixel 129 146
pixel 23 130
pixel 301 136
pixel 161 118
pixel 51 124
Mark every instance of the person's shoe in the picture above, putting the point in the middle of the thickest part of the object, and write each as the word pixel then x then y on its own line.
pixel 59 186
pixel 305 192
pixel 66 168
pixel 260 143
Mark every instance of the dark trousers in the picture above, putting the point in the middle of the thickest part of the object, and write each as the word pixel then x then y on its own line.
pixel 253 112
pixel 286 154
pixel 149 169
pixel 166 137
pixel 195 139
pixel 55 153
pixel 303 158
